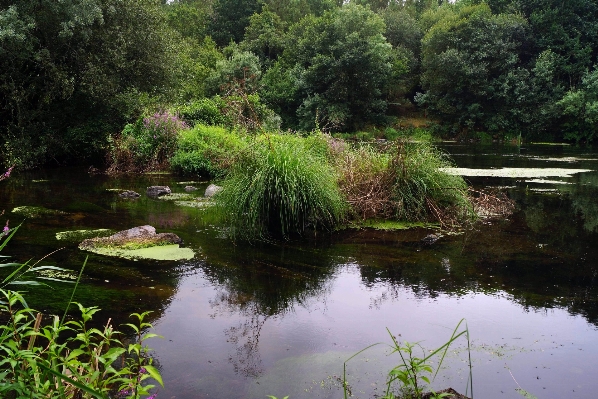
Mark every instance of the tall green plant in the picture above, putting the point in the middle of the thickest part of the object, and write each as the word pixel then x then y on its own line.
pixel 412 373
pixel 280 188
pixel 58 359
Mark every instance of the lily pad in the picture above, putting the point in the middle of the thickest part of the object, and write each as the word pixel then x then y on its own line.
pixel 161 252
pixel 515 172
pixel 36 211
pixel 79 235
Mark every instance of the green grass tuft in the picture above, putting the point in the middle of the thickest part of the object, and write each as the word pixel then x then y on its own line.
pixel 281 188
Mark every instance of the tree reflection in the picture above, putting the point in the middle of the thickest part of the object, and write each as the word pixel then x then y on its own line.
pixel 259 283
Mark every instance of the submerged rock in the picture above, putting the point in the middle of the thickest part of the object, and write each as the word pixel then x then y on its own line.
pixel 430 239
pixel 190 188
pixel 139 242
pixel 450 393
pixel 36 211
pixel 156 191
pixel 211 190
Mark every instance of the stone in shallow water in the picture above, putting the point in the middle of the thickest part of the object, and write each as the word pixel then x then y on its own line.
pixel 211 190
pixel 156 191
pixel 140 242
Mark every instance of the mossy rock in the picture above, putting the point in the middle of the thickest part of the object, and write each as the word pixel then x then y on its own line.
pixel 78 235
pixel 139 243
pixel 36 211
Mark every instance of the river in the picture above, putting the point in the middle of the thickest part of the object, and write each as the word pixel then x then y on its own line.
pixel 249 320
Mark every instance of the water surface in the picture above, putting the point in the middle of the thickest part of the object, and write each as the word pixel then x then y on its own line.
pixel 246 321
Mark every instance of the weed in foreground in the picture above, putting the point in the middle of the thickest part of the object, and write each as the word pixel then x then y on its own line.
pixel 43 357
pixel 410 378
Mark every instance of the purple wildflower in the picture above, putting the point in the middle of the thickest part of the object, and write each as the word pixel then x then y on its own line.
pixel 152 396
pixel 6 174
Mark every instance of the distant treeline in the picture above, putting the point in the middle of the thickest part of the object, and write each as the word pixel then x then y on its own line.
pixel 73 72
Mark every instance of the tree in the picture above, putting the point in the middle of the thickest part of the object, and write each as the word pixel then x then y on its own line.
pixel 230 18
pixel 340 65
pixel 580 110
pixel 265 36
pixel 72 71
pixel 472 70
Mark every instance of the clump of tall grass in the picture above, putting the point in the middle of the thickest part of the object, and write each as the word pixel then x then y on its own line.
pixel 207 151
pixel 422 191
pixel 282 187
pixel 402 181
pixel 364 180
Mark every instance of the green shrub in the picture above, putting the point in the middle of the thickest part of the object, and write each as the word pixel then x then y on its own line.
pixel 206 111
pixel 281 188
pixel 207 151
pixel 146 145
pixel 391 134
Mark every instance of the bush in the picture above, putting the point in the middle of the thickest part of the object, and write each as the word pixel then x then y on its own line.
pixel 206 111
pixel 146 145
pixel 207 151
pixel 281 188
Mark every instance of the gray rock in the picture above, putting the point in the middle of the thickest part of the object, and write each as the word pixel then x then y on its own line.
pixel 156 191
pixel 129 194
pixel 211 190
pixel 141 236
pixel 190 188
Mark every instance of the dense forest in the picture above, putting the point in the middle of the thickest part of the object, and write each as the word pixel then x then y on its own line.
pixel 74 72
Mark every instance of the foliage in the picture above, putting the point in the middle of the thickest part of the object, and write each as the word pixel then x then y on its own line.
pixel 472 70
pixel 59 360
pixel 230 18
pixel 580 107
pixel 339 64
pixel 206 111
pixel 402 182
pixel 71 359
pixel 265 36
pixel 241 69
pixel 207 151
pixel 281 188
pixel 146 145
pixel 83 59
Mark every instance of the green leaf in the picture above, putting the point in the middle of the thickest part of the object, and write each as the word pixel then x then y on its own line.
pixel 154 373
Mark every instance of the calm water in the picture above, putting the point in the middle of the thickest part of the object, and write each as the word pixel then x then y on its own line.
pixel 246 321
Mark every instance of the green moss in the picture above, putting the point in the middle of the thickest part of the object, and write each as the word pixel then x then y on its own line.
pixel 80 235
pixel 194 204
pixel 162 252
pixel 177 196
pixel 36 211
pixel 393 224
